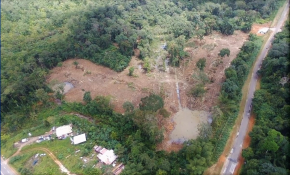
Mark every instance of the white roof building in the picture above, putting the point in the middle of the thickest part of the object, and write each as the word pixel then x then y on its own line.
pixel 107 156
pixel 79 139
pixel 63 130
pixel 263 30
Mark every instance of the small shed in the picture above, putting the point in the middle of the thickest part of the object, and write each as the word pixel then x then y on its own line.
pixel 118 169
pixel 98 148
pixel 79 139
pixel 63 130
pixel 263 30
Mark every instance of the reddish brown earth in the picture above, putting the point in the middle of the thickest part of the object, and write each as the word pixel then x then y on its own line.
pixel 257 27
pixel 209 48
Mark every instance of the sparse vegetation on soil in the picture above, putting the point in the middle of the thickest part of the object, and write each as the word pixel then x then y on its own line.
pixel 121 87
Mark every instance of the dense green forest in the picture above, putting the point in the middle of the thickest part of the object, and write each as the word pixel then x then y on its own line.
pixel 269 149
pixel 38 35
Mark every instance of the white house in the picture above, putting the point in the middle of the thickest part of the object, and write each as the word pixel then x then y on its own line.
pixel 263 30
pixel 79 139
pixel 63 130
pixel 107 156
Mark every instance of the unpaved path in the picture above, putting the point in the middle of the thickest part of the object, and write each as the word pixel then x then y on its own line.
pixel 52 156
pixel 62 168
pixel 21 145
pixel 34 139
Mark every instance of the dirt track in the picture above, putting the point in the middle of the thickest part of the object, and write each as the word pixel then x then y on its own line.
pixel 48 152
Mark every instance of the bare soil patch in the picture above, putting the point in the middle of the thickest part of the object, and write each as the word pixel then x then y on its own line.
pixel 256 27
pixel 102 81
pixel 209 48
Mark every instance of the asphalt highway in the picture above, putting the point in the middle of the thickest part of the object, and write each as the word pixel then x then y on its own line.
pixel 232 159
pixel 5 169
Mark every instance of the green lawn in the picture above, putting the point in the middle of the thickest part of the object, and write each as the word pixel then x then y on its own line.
pixel 7 148
pixel 65 152
pixel 23 163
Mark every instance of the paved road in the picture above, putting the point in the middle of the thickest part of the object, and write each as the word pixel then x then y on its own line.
pixel 5 169
pixel 232 159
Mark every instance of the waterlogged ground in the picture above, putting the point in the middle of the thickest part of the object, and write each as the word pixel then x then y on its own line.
pixel 65 85
pixel 187 124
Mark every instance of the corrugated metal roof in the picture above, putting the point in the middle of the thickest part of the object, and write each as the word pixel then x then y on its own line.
pixel 263 30
pixel 63 130
pixel 79 139
pixel 108 157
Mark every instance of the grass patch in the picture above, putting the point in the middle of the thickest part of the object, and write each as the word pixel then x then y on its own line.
pixel 191 44
pixel 131 85
pixel 209 47
pixel 145 90
pixel 7 147
pixel 65 152
pixel 36 128
pixel 23 163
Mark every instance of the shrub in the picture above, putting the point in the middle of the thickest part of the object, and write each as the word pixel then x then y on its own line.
pixel 131 70
pixel 164 113
pixel 201 63
pixel 14 159
pixel 151 103
pixel 59 64
pixel 128 106
pixel 46 123
pixel 87 97
pixel 198 90
pixel 224 51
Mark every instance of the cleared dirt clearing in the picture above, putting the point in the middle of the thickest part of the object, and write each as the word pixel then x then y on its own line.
pixel 102 81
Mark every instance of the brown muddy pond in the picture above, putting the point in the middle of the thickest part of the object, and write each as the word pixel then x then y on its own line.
pixel 186 124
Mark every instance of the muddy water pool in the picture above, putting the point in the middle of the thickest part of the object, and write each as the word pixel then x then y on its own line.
pixel 186 124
